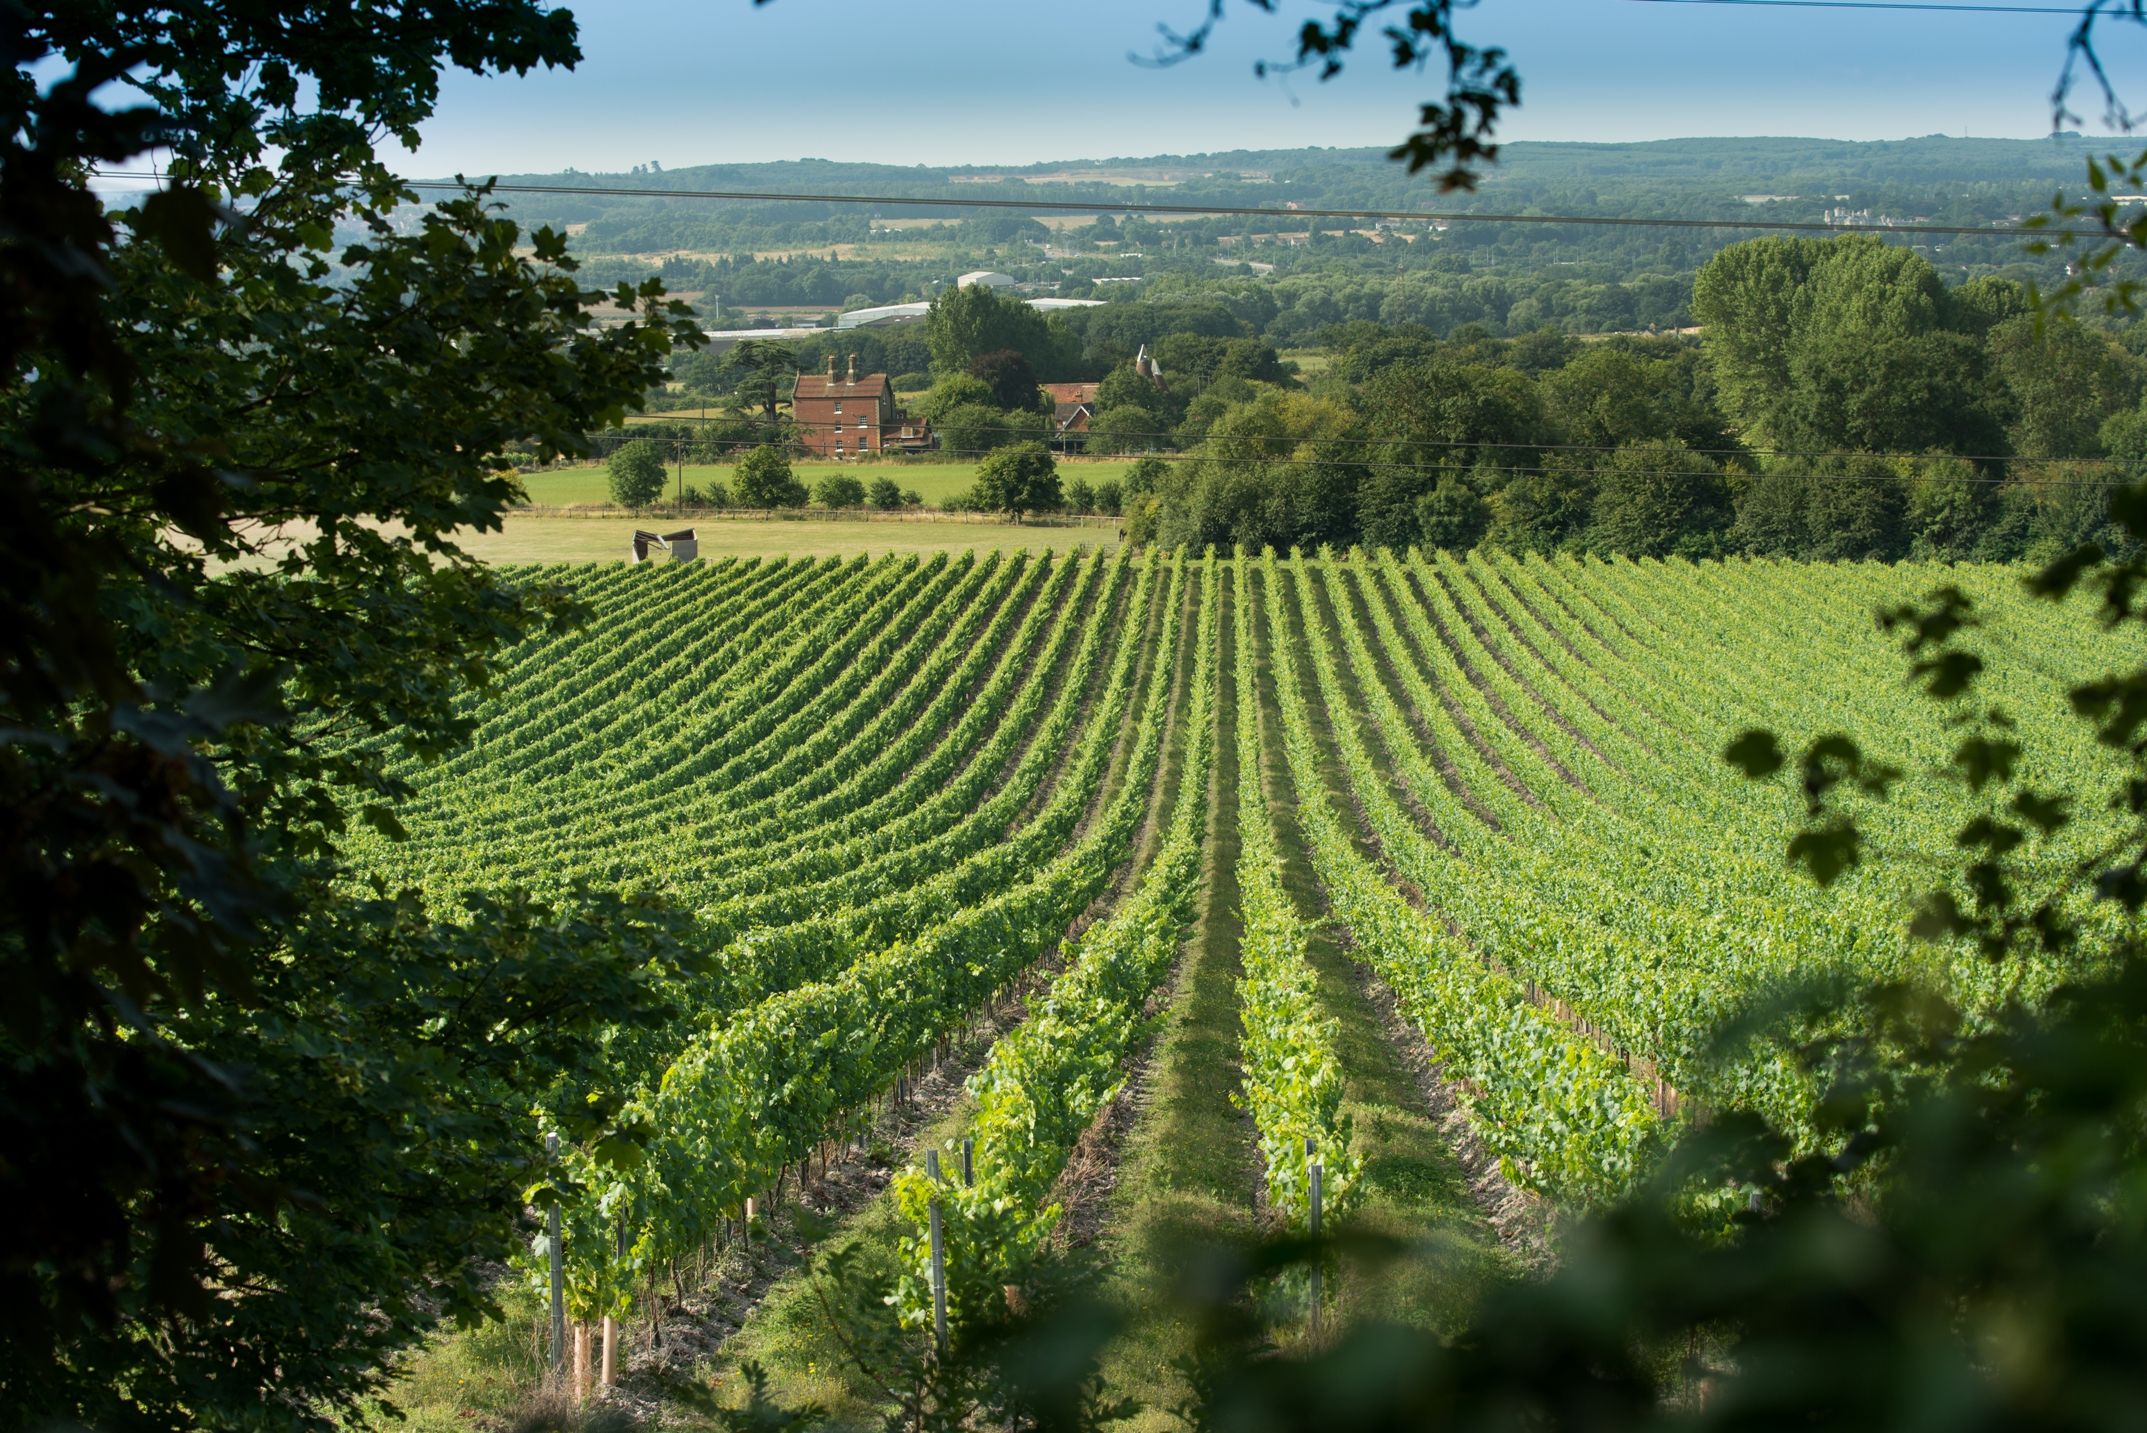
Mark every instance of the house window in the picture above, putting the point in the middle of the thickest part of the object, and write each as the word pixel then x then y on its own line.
pixel 838 407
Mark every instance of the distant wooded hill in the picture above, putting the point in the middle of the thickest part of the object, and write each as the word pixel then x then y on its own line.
pixel 796 262
pixel 1944 179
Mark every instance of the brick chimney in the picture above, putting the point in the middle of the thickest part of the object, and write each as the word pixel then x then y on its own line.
pixel 853 368
pixel 831 368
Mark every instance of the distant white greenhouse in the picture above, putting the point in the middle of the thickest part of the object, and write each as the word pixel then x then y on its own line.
pixel 907 313
pixel 884 314
pixel 879 316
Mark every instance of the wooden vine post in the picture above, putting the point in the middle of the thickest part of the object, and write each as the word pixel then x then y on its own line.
pixel 608 1376
pixel 939 1259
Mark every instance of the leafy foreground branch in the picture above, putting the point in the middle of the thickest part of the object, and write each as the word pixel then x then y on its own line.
pixel 263 1124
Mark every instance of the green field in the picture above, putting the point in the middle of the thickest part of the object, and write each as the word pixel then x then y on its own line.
pixel 935 482
pixel 1290 831
pixel 530 537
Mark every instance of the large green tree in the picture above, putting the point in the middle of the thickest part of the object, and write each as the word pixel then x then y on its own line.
pixel 265 1124
pixel 963 324
pixel 1443 411
pixel 1826 344
pixel 1124 388
pixel 1126 430
pixel 1010 379
pixel 759 373
pixel 954 391
pixel 1855 509
pixel 1020 479
pixel 1659 498
pixel 1949 504
pixel 1747 300
pixel 842 490
pixel 1919 393
pixel 2063 381
pixel 1611 393
pixel 1278 470
pixel 1428 420
pixel 1452 515
pixel 763 479
pixel 636 474
pixel 1607 396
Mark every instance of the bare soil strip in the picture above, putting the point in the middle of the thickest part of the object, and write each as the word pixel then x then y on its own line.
pixel 1085 1186
pixel 685 1344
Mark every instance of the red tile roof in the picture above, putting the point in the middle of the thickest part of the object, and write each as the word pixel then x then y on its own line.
pixel 819 385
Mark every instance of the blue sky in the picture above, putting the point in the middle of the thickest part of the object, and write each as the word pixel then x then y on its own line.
pixel 1015 81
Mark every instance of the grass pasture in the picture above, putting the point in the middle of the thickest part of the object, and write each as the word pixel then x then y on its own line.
pixel 1311 362
pixel 590 486
pixel 599 537
pixel 536 538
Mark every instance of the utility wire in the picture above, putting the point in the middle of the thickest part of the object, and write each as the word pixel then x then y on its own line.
pixel 1449 444
pixel 888 467
pixel 1455 216
pixel 2070 11
pixel 1374 214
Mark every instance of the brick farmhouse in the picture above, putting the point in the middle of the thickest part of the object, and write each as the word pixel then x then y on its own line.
pixel 1072 405
pixel 848 416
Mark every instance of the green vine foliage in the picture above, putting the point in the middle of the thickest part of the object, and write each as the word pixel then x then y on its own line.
pixel 1293 1077
pixel 1044 1084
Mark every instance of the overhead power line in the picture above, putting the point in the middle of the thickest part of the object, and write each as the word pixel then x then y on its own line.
pixel 2069 11
pixel 1488 445
pixel 891 466
pixel 1226 211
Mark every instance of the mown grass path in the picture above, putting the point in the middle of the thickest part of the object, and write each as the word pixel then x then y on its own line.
pixel 1187 1170
pixel 1414 1188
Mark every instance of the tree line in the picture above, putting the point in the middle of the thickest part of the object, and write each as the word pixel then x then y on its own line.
pixel 1842 402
